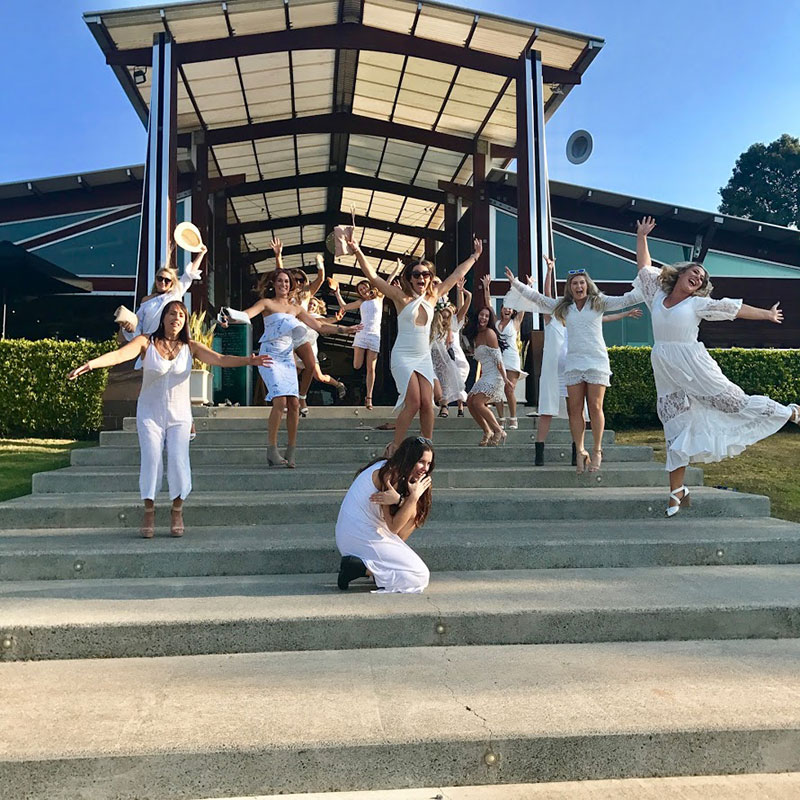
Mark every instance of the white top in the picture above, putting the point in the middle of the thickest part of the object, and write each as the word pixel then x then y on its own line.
pixel 586 348
pixel 371 315
pixel 149 312
pixel 165 397
pixel 510 335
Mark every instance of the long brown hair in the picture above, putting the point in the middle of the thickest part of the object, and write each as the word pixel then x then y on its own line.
pixel 183 333
pixel 405 276
pixel 397 470
pixel 266 286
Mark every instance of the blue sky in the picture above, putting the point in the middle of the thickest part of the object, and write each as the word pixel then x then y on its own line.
pixel 680 89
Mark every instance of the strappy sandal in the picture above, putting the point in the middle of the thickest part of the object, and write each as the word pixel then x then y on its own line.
pixel 684 500
pixel 443 412
pixel 485 441
pixel 176 528
pixel 148 523
pixel 368 402
pixel 596 461
pixel 498 438
pixel 460 412
pixel 582 462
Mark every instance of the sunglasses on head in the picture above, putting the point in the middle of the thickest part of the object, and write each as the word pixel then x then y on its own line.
pixel 576 272
pixel 163 279
pixel 422 274
pixel 423 440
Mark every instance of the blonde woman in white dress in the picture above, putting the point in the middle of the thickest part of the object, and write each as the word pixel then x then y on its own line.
pixel 464 299
pixel 482 336
pixel 705 416
pixel 451 387
pixel 587 372
pixel 508 326
pixel 411 364
pixel 164 408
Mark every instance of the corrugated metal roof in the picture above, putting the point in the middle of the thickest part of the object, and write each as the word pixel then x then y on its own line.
pixel 422 92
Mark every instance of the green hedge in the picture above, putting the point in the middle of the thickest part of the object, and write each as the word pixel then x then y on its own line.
pixel 631 400
pixel 35 397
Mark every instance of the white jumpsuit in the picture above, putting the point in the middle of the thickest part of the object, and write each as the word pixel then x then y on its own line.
pixel 361 532
pixel 369 337
pixel 412 350
pixel 164 416
pixel 705 416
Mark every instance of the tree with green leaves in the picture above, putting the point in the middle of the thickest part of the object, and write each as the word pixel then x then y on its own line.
pixel 765 184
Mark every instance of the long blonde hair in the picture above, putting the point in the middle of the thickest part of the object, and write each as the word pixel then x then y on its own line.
pixel 172 274
pixel 440 328
pixel 672 272
pixel 593 296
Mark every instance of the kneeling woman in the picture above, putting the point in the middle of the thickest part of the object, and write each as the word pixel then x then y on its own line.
pixel 386 502
pixel 164 408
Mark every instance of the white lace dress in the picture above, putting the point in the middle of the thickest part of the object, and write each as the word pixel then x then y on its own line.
pixel 705 416
pixel 587 355
pixel 446 371
pixel 491 381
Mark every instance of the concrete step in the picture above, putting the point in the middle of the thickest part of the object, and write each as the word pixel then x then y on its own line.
pixel 345 438
pixel 783 786
pixel 319 412
pixel 241 614
pixel 595 502
pixel 221 726
pixel 86 553
pixel 352 456
pixel 244 479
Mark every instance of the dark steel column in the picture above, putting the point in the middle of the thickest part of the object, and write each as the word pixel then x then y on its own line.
pixel 161 173
pixel 480 214
pixel 202 290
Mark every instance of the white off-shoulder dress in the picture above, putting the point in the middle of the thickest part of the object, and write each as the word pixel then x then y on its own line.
pixel 361 531
pixel 587 355
pixel 282 332
pixel 706 417
pixel 491 382
pixel 412 349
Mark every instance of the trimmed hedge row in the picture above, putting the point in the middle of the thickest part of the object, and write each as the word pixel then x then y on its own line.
pixel 35 397
pixel 631 399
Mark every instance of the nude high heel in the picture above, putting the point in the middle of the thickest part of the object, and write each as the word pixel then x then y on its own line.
pixel 582 462
pixel 176 528
pixel 498 438
pixel 485 440
pixel 596 461
pixel 148 523
pixel 685 500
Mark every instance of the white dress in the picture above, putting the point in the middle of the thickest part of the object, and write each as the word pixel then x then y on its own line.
pixel 511 360
pixel 461 360
pixel 369 337
pixel 308 333
pixel 705 416
pixel 446 371
pixel 164 416
pixel 587 355
pixel 552 389
pixel 412 349
pixel 491 381
pixel 282 332
pixel 362 532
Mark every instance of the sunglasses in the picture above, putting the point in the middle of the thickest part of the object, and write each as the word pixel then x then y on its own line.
pixel 423 440
pixel 424 274
pixel 163 279
pixel 576 272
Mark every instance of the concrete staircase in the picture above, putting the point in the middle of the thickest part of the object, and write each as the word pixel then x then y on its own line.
pixel 570 631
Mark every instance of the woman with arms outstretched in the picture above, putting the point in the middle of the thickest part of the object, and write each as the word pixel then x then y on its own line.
pixel 705 416
pixel 411 364
pixel 164 408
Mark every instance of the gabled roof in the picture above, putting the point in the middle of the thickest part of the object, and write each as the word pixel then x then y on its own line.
pixel 388 96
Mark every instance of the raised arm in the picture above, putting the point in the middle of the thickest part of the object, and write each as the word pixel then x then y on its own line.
pixel 545 305
pixel 215 359
pixel 383 286
pixel 345 306
pixel 464 298
pixel 316 284
pixel 486 282
pixel 617 302
pixel 644 227
pixel 192 272
pixel 127 352
pixel 228 315
pixel 277 247
pixel 461 270
pixel 773 314
pixel 549 282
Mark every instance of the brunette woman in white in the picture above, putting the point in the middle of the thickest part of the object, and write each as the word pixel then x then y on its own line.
pixel 164 409
pixel 705 416
pixel 587 371
pixel 386 503
pixel 411 364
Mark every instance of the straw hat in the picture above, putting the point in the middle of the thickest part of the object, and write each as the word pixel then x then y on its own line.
pixel 188 237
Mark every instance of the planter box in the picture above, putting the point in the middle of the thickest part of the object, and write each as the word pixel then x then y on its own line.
pixel 200 387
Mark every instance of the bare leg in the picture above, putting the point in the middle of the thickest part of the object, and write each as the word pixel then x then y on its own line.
pixel 426 415
pixel 306 355
pixel 595 393
pixel 278 404
pixel 292 417
pixel 575 399
pixel 176 517
pixel 371 357
pixel 676 479
pixel 513 376
pixel 411 406
pixel 473 405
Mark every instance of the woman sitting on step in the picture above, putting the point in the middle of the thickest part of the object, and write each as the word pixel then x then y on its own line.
pixel 705 416
pixel 386 502
pixel 164 408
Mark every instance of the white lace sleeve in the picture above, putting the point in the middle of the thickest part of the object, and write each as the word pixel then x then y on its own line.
pixel 525 298
pixel 716 310
pixel 648 283
pixel 618 302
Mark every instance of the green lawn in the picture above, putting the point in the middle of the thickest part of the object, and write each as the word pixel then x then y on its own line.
pixel 20 458
pixel 769 467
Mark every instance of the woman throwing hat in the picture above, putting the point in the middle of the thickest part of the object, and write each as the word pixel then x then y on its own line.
pixel 705 416
pixel 164 408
